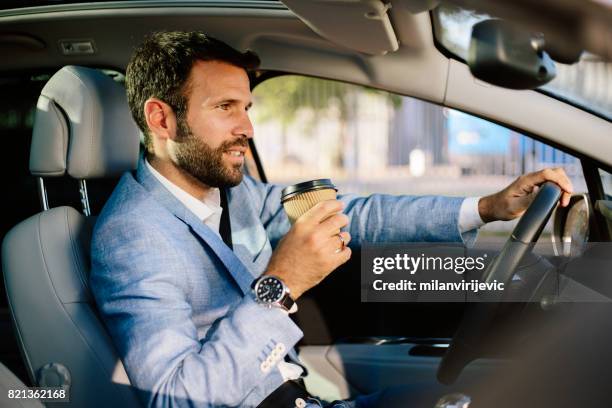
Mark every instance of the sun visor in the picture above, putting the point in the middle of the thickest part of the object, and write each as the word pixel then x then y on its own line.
pixel 360 25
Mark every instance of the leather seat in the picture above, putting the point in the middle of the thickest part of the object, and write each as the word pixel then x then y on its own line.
pixel 82 129
pixel 8 382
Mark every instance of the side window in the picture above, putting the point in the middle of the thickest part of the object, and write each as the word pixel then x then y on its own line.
pixel 16 120
pixel 369 141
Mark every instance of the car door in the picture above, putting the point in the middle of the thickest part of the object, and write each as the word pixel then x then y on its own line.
pixel 369 141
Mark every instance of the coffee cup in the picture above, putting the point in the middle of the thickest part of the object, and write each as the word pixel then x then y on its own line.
pixel 299 198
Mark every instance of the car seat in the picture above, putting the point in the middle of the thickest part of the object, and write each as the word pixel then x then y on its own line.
pixel 9 382
pixel 83 130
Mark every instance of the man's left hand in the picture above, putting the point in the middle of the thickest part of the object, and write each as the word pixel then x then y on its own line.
pixel 512 201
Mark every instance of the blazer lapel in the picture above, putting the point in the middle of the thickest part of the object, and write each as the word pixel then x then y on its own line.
pixel 233 264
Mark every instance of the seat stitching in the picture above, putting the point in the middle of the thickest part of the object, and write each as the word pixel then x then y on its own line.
pixel 75 258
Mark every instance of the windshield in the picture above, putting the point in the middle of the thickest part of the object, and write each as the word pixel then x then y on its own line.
pixel 587 84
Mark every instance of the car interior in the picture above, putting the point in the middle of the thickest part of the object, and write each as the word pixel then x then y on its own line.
pixel 70 136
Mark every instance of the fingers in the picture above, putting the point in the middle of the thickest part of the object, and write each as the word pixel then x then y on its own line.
pixel 565 199
pixel 557 176
pixel 341 240
pixel 326 217
pixel 341 246
pixel 321 210
pixel 323 223
pixel 333 224
pixel 346 237
pixel 344 255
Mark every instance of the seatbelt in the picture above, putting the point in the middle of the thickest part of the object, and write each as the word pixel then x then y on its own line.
pixel 225 229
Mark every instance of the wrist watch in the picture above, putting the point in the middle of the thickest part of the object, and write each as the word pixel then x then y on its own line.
pixel 271 291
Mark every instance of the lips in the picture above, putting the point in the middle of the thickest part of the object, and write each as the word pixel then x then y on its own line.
pixel 236 151
pixel 236 154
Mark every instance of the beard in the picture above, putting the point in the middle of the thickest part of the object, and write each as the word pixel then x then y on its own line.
pixel 204 163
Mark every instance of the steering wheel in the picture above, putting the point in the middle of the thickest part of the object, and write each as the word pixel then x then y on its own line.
pixel 478 316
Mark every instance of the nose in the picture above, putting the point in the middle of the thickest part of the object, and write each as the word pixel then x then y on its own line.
pixel 245 127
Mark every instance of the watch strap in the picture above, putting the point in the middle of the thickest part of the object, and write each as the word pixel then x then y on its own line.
pixel 287 302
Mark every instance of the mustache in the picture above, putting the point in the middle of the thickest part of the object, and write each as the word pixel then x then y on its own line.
pixel 241 142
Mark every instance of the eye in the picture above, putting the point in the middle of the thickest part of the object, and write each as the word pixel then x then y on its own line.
pixel 224 106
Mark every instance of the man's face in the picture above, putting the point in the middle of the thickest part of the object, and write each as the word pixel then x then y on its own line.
pixel 211 144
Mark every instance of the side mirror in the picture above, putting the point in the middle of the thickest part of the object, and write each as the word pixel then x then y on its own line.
pixel 504 55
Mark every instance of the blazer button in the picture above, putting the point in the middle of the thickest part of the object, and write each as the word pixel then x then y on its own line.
pixel 280 347
pixel 300 403
pixel 265 366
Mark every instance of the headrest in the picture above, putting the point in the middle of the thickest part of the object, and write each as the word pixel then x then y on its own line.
pixel 83 127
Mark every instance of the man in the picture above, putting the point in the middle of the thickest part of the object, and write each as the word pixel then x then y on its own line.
pixel 176 299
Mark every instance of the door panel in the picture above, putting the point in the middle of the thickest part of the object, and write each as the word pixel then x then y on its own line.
pixel 345 370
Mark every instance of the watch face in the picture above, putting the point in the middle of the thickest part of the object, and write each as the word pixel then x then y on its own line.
pixel 269 290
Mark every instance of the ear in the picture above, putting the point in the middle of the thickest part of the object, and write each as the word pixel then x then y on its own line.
pixel 160 118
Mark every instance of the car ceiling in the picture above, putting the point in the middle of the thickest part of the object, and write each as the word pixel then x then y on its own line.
pixel 286 43
pixel 283 41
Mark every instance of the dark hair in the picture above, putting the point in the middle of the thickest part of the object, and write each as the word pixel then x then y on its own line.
pixel 161 65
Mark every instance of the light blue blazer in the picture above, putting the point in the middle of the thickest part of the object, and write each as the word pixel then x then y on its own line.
pixel 176 299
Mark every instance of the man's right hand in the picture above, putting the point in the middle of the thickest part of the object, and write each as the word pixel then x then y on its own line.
pixel 311 249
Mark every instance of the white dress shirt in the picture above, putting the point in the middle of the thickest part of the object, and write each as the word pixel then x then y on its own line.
pixel 209 211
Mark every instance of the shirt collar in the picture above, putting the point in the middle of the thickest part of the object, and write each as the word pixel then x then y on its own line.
pixel 203 209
